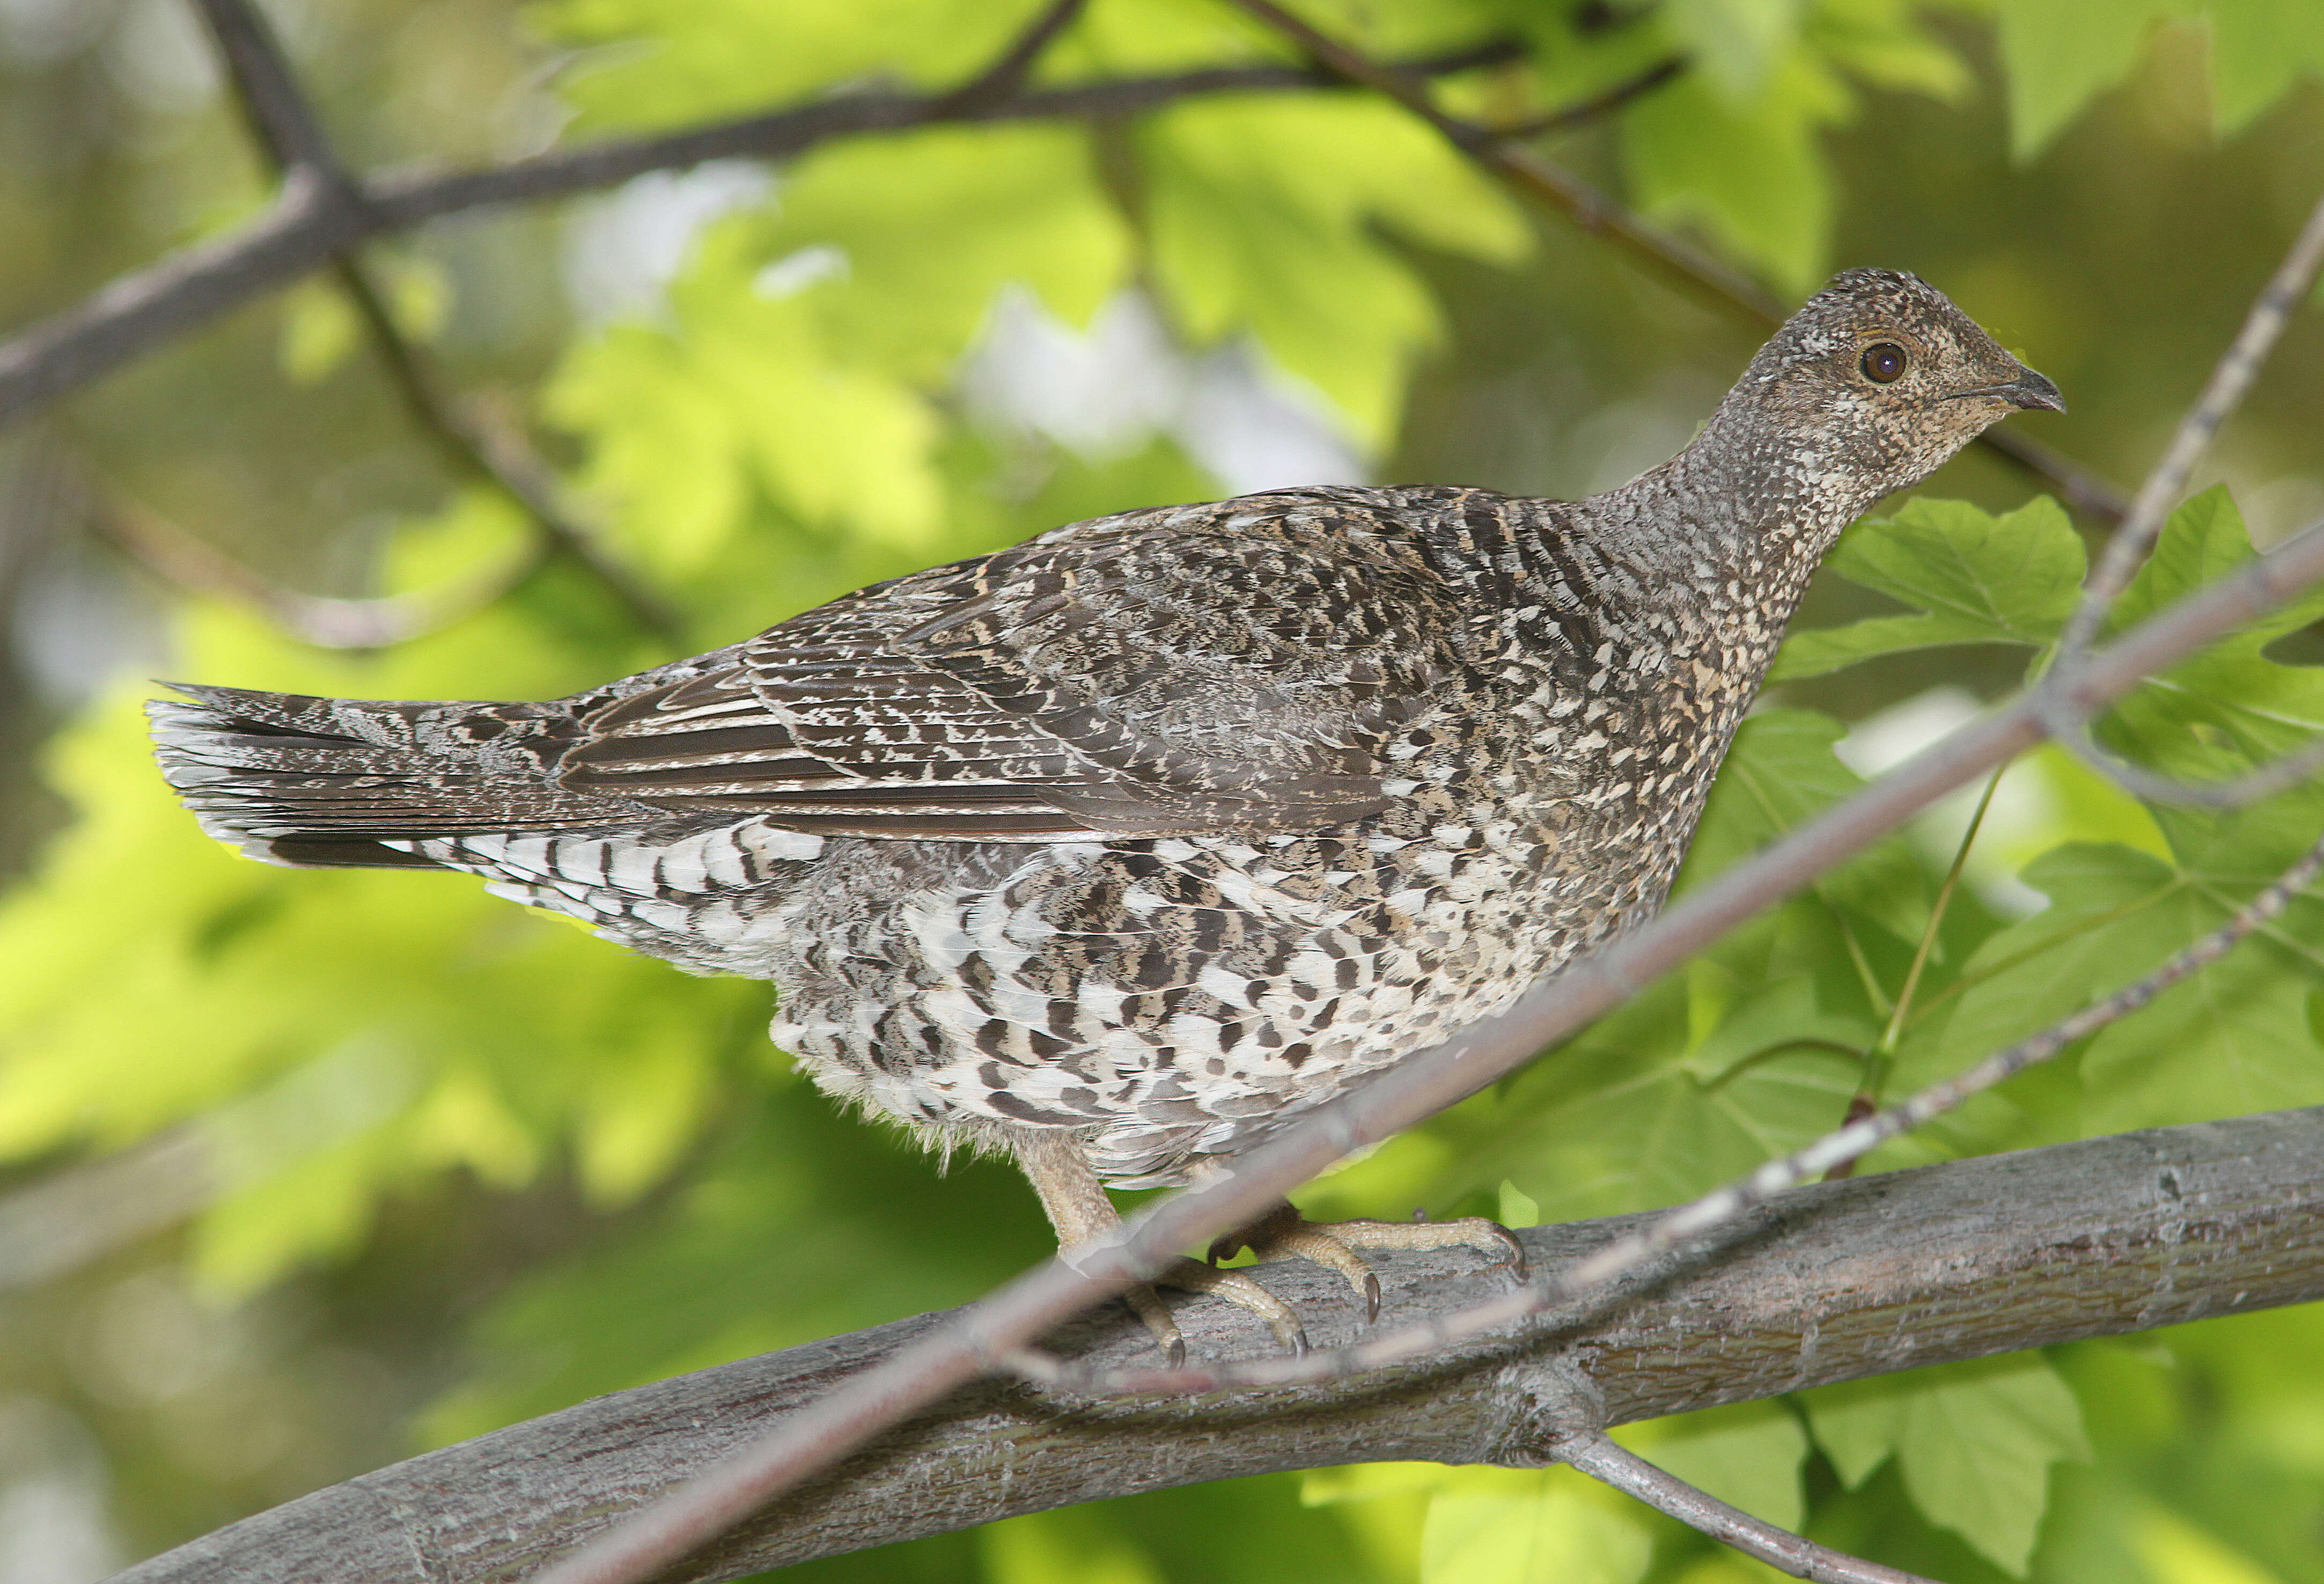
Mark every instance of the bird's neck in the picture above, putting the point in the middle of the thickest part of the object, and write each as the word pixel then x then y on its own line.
pixel 1741 517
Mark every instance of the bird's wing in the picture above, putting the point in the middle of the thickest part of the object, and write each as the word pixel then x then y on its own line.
pixel 1237 666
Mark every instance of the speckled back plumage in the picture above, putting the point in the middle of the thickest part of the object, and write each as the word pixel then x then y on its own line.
pixel 1162 827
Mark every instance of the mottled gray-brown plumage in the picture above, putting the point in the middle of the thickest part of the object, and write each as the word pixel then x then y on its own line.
pixel 1133 843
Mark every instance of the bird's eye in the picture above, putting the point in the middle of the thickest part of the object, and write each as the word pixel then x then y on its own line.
pixel 1881 361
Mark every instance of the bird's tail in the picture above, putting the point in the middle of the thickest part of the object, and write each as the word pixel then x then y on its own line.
pixel 338 782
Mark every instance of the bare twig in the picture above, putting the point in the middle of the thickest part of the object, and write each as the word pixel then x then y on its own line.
pixel 283 122
pixel 79 1215
pixel 309 224
pixel 1007 74
pixel 1602 1459
pixel 1596 106
pixel 1987 1256
pixel 287 127
pixel 1867 1099
pixel 998 1330
pixel 191 563
pixel 1688 267
pixel 499 459
pixel 2230 382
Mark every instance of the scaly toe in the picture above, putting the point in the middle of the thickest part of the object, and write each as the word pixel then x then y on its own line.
pixel 1238 1289
pixel 1148 1305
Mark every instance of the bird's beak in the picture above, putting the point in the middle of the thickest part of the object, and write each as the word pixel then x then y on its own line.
pixel 2028 390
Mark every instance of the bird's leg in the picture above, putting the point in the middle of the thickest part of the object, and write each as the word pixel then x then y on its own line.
pixel 1284 1234
pixel 1052 1160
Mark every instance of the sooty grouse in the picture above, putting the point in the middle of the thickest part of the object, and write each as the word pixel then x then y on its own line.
pixel 1119 851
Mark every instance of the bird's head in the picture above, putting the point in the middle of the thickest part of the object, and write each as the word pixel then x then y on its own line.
pixel 1877 380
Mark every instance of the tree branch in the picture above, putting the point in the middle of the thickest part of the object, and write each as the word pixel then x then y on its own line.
pixel 1830 1282
pixel 1603 1460
pixel 287 127
pixel 2231 380
pixel 1006 74
pixel 311 221
pixel 1596 106
pixel 192 563
pixel 1693 271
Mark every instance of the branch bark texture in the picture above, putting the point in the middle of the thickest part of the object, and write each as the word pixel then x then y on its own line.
pixel 1828 1283
pixel 318 215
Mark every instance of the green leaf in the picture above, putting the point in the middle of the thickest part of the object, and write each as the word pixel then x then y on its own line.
pixel 1970 577
pixel 1887 42
pixel 2260 51
pixel 2060 54
pixel 1781 771
pixel 1014 205
pixel 1263 217
pixel 662 62
pixel 1975 1442
pixel 1786 1011
pixel 1074 1545
pixel 2231 706
pixel 1528 1526
pixel 1747 1454
pixel 1754 176
pixel 1737 42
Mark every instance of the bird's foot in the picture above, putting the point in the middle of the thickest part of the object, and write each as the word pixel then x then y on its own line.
pixel 1192 1275
pixel 1284 1233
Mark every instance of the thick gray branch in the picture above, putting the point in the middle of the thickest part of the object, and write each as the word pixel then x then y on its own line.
pixel 1828 1282
pixel 317 217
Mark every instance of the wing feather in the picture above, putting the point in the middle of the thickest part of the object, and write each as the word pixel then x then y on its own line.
pixel 1235 666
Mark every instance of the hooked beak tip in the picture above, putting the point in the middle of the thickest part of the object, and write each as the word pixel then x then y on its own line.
pixel 2032 390
pixel 2028 390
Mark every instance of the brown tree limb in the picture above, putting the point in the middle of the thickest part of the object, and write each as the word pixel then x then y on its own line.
pixel 287 127
pixel 1832 1282
pixel 311 221
pixel 1681 263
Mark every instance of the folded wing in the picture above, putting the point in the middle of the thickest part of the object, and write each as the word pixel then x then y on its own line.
pixel 1242 665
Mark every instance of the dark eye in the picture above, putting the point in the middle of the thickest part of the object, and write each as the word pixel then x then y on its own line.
pixel 1881 361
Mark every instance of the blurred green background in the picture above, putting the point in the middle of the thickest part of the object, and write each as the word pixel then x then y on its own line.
pixel 304 1173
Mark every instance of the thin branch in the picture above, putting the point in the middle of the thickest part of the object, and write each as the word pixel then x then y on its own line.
pixel 1867 1099
pixel 287 127
pixel 1677 1228
pixel 87 1211
pixel 501 461
pixel 1693 270
pixel 310 222
pixel 1596 106
pixel 1987 1256
pixel 1602 1459
pixel 997 1331
pixel 2128 547
pixel 1006 74
pixel 191 563
pixel 283 122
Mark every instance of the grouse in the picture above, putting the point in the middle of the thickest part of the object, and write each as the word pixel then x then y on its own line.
pixel 1120 850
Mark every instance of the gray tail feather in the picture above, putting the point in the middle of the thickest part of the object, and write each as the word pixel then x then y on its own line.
pixel 334 783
